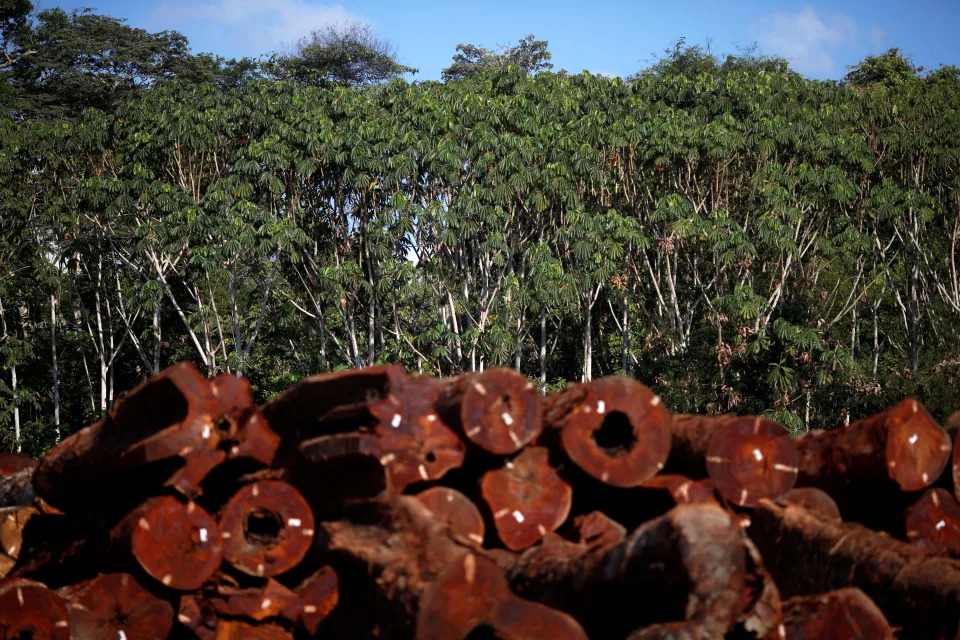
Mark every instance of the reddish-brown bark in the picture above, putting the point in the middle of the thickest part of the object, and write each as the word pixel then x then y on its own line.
pixel 813 499
pixel 867 465
pixel 14 462
pixel 268 600
pixel 267 528
pixel 595 529
pixel 456 510
pixel 170 431
pixel 527 498
pixel 177 544
pixel 916 590
pixel 30 610
pixel 682 489
pixel 17 490
pixel 615 429
pixel 497 409
pixel 844 614
pixel 402 430
pixel 12 522
pixel 750 458
pixel 933 522
pixel 320 594
pixel 686 565
pixel 471 596
pixel 113 605
pixel 239 630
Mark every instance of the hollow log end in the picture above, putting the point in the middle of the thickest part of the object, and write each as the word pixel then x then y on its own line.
pixel 619 433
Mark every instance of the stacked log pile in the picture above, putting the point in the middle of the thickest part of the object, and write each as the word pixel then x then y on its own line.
pixel 378 504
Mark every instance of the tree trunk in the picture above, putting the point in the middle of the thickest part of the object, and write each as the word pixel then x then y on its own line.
pixel 543 349
pixel 13 386
pixel 56 373
pixel 587 345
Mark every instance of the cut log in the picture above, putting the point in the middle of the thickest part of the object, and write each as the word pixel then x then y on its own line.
pixel 955 466
pixel 813 499
pixel 320 594
pixel 386 554
pixel 682 489
pixel 14 462
pixel 933 522
pixel 690 438
pixel 867 465
pixel 404 433
pixel 456 510
pixel 12 522
pixel 471 599
pixel 331 402
pixel 268 600
pixel 177 544
pixel 526 498
pixel 170 431
pixel 844 614
pixel 595 529
pixel 806 554
pixel 197 615
pixel 30 610
pixel 615 429
pixel 761 606
pixel 238 630
pixel 498 409
pixel 267 528
pixel 113 605
pixel 750 458
pixel 686 565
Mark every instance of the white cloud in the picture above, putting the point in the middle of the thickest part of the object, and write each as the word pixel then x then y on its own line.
pixel 808 41
pixel 252 27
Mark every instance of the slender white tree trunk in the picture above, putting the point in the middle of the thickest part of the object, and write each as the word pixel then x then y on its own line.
pixel 543 349
pixel 56 372
pixel 13 386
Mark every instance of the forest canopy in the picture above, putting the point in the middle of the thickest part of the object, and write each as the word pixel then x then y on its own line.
pixel 733 234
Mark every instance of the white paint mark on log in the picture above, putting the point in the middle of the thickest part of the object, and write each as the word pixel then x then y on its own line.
pixel 423 472
pixel 265 604
pixel 758 455
pixel 203 535
pixel 913 439
pixel 482 390
pixel 785 468
pixel 518 516
pixel 395 421
pixel 743 497
pixel 143 524
pixel 940 525
pixel 655 401
pixel 601 406
pixel 387 459
pixel 470 568
pixel 507 418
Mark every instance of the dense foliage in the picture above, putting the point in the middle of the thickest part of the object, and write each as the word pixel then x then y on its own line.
pixel 738 237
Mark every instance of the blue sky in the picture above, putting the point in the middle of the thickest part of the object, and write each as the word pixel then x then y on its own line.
pixel 616 38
